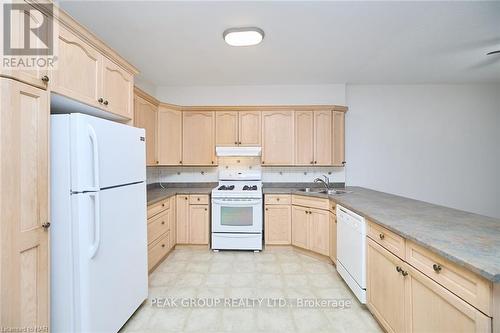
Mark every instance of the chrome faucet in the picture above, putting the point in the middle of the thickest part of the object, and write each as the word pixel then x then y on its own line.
pixel 325 182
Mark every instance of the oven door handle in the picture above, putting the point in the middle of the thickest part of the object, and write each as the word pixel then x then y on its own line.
pixel 237 202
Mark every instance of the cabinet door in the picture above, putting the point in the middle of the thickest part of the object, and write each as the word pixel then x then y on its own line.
pixel 300 227
pixel 169 136
pixel 319 233
pixel 198 144
pixel 117 89
pixel 385 287
pixel 198 224
pixel 304 138
pixel 429 307
pixel 278 224
pixel 145 117
pixel 182 219
pixel 338 138
pixel 249 128
pixel 333 237
pixel 78 74
pixel 226 131
pixel 323 137
pixel 277 137
pixel 33 77
pixel 24 177
pixel 173 223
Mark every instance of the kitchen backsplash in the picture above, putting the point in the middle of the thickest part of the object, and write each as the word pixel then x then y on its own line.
pixel 270 174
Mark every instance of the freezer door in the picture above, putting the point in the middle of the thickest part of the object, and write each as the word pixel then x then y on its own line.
pixel 112 256
pixel 105 153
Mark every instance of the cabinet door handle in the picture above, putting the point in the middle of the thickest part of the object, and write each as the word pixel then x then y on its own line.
pixel 185 198
pixel 206 208
pixel 106 102
pixel 399 269
pixel 315 162
pixel 46 225
pixel 100 100
pixel 267 208
pixel 404 273
pixel 163 205
pixel 263 162
pixel 381 236
pixel 239 143
pixel 180 162
pixel 212 162
pixel 45 78
pixel 162 222
pixel 437 268
pixel 235 142
pixel 277 199
pixel 162 245
pixel 198 199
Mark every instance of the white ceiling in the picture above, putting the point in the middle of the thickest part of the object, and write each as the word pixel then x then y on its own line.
pixel 306 42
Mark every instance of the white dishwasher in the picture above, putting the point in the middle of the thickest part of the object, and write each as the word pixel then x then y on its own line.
pixel 351 251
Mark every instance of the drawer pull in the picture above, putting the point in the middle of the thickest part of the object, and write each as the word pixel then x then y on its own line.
pixel 206 209
pixel 163 205
pixel 437 268
pixel 404 273
pixel 381 236
pixel 162 245
pixel 399 269
pixel 198 199
pixel 162 222
pixel 277 199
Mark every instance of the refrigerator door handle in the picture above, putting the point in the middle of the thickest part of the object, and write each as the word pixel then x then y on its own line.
pixel 96 241
pixel 95 153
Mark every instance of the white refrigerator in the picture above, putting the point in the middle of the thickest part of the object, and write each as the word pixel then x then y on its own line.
pixel 98 223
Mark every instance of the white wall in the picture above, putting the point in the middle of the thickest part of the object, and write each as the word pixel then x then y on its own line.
pixel 253 95
pixel 436 143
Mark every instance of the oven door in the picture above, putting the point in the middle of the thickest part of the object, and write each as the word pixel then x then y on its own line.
pixel 237 215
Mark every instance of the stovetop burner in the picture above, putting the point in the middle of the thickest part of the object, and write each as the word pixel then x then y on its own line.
pixel 250 188
pixel 226 188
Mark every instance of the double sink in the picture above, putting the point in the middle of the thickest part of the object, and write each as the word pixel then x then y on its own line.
pixel 323 191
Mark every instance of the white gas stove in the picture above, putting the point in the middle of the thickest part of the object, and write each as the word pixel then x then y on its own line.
pixel 237 208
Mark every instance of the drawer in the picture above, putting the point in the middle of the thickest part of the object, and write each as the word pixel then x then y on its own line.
pixel 278 199
pixel 311 202
pixel 158 250
pixel 467 285
pixel 333 206
pixel 388 239
pixel 158 225
pixel 158 207
pixel 198 199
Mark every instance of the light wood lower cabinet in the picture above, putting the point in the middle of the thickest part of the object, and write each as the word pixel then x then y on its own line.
pixel 310 229
pixel 24 205
pixel 300 226
pixel 193 220
pixel 160 229
pixel 429 307
pixel 333 237
pixel 385 287
pixel 277 224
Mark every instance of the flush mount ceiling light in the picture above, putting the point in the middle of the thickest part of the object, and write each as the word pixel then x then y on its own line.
pixel 243 36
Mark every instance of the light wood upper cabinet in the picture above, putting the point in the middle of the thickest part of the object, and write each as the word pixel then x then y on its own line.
pixel 278 224
pixel 169 136
pixel 249 128
pixel 226 128
pixel 319 231
pixel 146 117
pixel 338 127
pixel 117 89
pixel 429 307
pixel 199 220
pixel 304 138
pixel 24 177
pixel 385 286
pixel 323 137
pixel 198 138
pixel 278 137
pixel 300 226
pixel 79 71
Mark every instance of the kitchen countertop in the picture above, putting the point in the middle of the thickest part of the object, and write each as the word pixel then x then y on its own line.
pixel 155 193
pixel 467 239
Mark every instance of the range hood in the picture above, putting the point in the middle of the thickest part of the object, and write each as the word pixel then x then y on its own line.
pixel 238 151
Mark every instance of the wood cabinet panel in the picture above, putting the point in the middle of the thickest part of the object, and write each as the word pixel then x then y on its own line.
pixel 146 117
pixel 278 224
pixel 158 225
pixel 249 128
pixel 338 135
pixel 385 286
pixel 319 231
pixel 79 71
pixel 182 219
pixel 157 208
pixel 429 307
pixel 24 177
pixel 117 89
pixel 304 138
pixel 278 137
pixel 158 250
pixel 323 137
pixel 198 199
pixel 198 224
pixel 300 226
pixel 198 142
pixel 278 199
pixel 169 136
pixel 308 201
pixel 388 239
pixel 226 130
pixel 333 237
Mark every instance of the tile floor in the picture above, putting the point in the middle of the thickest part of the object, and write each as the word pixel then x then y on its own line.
pixel 280 274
